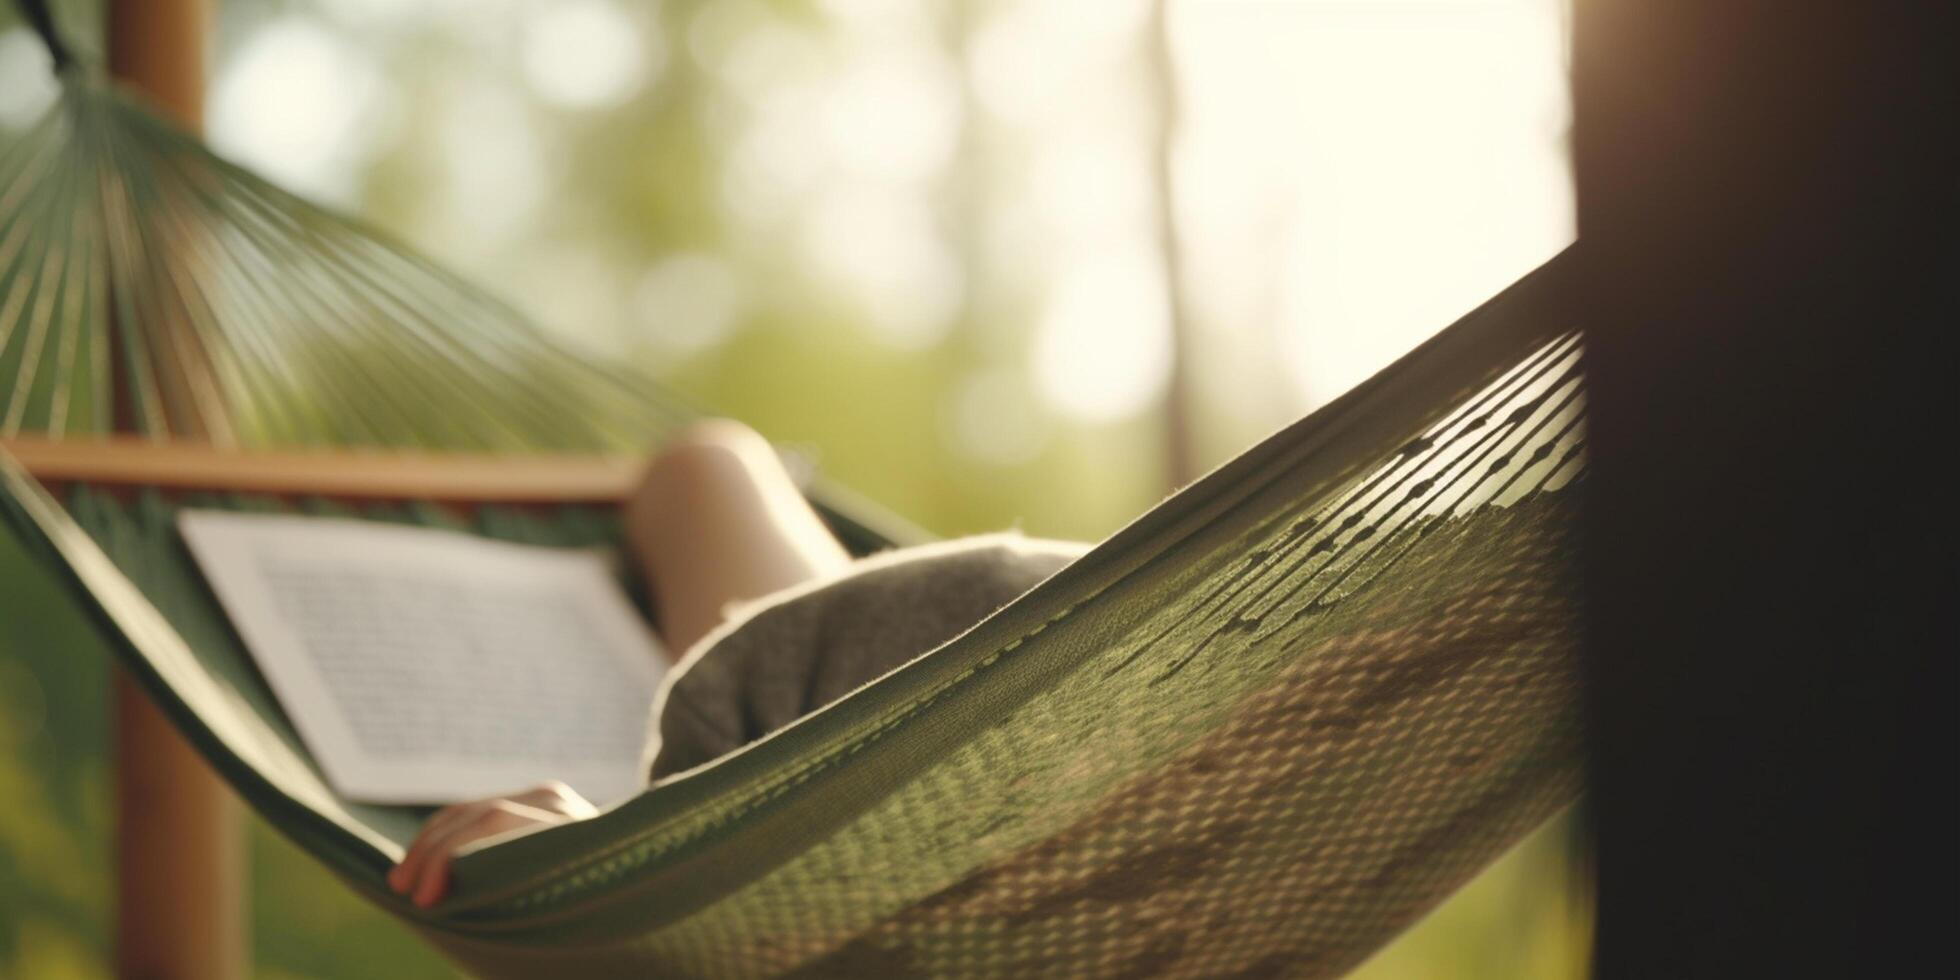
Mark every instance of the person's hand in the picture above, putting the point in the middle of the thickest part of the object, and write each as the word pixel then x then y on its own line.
pixel 423 875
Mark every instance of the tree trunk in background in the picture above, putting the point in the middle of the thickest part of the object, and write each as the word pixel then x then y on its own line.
pixel 179 844
pixel 1766 213
pixel 1181 464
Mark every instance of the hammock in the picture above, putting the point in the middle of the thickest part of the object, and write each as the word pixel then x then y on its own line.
pixel 1257 732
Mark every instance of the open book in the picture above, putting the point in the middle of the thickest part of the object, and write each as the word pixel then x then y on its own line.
pixel 428 666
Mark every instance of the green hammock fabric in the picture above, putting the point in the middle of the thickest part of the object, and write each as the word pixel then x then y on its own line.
pixel 1255 733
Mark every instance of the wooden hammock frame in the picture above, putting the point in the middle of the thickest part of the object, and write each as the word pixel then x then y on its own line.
pixel 464 478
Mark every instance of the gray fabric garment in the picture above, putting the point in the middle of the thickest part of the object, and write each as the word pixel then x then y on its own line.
pixel 790 653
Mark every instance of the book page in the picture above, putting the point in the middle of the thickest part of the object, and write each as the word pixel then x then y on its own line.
pixel 431 666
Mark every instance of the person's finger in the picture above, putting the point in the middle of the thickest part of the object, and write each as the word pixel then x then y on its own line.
pixel 552 797
pixel 557 797
pixel 496 817
pixel 430 877
pixel 403 876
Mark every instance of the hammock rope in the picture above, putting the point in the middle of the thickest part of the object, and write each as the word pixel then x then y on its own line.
pixel 1258 731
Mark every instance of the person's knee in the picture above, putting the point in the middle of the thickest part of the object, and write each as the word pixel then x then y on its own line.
pixel 703 461
pixel 711 437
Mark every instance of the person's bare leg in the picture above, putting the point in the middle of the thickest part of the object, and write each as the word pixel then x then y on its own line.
pixel 717 520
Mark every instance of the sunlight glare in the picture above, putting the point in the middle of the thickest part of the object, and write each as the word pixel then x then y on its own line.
pixel 1030 60
pixel 687 302
pixel 1102 351
pixel 299 104
pixel 578 292
pixel 771 166
pixel 893 113
pixel 1384 167
pixel 588 54
pixel 991 418
pixel 495 175
pixel 1093 185
pixel 27 85
pixel 880 246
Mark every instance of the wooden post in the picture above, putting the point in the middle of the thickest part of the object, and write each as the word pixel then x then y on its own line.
pixel 1766 196
pixel 157 47
pixel 1181 464
pixel 180 856
pixel 179 847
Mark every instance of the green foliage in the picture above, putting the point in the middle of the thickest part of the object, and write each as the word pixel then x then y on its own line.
pixel 55 875
pixel 54 881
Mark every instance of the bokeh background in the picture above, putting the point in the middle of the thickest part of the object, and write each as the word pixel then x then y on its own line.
pixel 990 262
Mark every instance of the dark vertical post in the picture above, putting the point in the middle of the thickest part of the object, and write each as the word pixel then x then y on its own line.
pixel 1766 219
pixel 179 847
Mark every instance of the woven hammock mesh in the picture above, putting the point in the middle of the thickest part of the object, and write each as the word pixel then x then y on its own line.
pixel 244 314
pixel 1256 733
